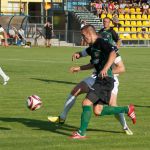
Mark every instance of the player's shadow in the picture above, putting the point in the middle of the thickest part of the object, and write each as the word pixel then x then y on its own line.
pixel 3 128
pixel 47 126
pixel 142 106
pixel 40 125
pixel 54 81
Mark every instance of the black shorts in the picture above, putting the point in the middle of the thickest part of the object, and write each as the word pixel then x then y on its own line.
pixel 48 36
pixel 101 91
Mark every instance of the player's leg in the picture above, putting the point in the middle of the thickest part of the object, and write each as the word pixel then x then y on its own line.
pixel 46 42
pixel 120 117
pixel 49 42
pixel 103 92
pixel 113 102
pixel 85 119
pixel 80 88
pixel 102 110
pixel 4 76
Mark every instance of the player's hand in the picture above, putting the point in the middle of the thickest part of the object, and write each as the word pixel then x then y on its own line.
pixel 75 56
pixel 103 73
pixel 74 69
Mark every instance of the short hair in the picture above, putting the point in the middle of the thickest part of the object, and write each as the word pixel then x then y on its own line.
pixel 107 18
pixel 89 27
pixel 0 25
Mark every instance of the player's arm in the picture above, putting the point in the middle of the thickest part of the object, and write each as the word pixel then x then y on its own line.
pixel 80 68
pixel 112 53
pixel 109 63
pixel 83 53
pixel 118 43
pixel 118 67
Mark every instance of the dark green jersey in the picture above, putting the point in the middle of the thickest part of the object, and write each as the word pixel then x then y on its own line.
pixel 109 35
pixel 99 53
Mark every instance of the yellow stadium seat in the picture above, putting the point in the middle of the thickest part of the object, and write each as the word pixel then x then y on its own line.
pixel 146 36
pixel 132 10
pixel 139 36
pixel 127 36
pixel 121 16
pixel 127 29
pixel 138 10
pixel 127 23
pixel 139 23
pixel 133 29
pixel 145 23
pixel 127 9
pixel 116 29
pixel 133 36
pixel 133 23
pixel 132 17
pixel 138 17
pixel 109 15
pixel 121 29
pixel 138 29
pixel 121 22
pixel 146 29
pixel 127 16
pixel 144 16
pixel 103 16
pixel 149 29
pixel 148 17
pixel 121 36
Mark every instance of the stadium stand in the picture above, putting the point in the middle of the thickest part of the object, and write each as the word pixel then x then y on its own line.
pixel 135 23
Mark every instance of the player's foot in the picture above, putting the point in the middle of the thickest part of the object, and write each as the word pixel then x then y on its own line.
pixel 131 113
pixel 76 135
pixel 6 80
pixel 128 131
pixel 56 120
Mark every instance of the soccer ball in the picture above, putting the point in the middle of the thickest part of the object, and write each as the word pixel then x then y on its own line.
pixel 34 102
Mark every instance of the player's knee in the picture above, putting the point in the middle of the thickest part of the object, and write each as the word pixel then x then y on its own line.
pixel 86 102
pixel 76 91
pixel 97 112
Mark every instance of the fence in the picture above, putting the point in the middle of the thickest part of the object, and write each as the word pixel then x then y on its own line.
pixel 36 33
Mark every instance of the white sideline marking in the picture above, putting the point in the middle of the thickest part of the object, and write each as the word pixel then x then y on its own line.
pixel 41 61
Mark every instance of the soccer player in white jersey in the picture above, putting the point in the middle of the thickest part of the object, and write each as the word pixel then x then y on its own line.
pixel 2 73
pixel 86 84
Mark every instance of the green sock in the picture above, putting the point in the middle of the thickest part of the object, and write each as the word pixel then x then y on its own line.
pixel 85 118
pixel 113 110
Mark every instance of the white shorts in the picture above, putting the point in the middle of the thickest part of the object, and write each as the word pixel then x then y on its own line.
pixel 90 81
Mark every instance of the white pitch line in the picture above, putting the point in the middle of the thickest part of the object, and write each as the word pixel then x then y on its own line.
pixel 40 61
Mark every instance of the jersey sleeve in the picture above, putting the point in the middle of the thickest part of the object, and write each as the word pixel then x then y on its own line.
pixel 83 53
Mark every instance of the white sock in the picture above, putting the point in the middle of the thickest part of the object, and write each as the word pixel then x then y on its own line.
pixel 122 120
pixel 68 105
pixel 4 76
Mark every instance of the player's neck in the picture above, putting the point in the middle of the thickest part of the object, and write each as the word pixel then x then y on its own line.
pixel 94 38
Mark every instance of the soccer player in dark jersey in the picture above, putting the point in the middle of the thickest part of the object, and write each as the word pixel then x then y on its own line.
pixel 102 55
pixel 108 34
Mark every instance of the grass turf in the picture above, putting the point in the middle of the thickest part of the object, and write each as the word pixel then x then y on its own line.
pixel 44 72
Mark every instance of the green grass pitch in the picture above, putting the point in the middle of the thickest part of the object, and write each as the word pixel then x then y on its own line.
pixel 45 72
